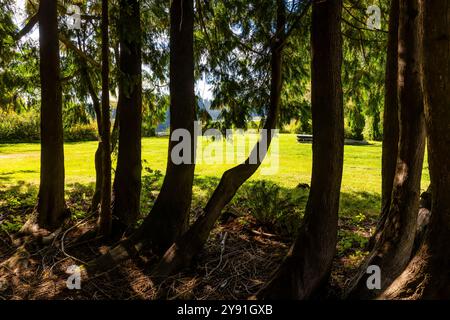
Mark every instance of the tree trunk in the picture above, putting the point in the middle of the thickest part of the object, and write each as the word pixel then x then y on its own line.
pixel 390 122
pixel 168 218
pixel 308 263
pixel 428 274
pixel 99 152
pixel 51 204
pixel 127 182
pixel 392 250
pixel 104 223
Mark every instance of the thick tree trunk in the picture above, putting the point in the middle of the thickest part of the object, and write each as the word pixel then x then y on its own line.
pixel 428 274
pixel 127 182
pixel 308 263
pixel 392 251
pixel 104 223
pixel 51 204
pixel 169 216
pixel 390 121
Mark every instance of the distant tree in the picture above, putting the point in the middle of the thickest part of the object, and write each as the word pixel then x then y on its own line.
pixel 428 274
pixel 392 250
pixel 307 265
pixel 127 181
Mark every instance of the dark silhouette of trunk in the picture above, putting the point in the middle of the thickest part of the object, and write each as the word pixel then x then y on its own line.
pixel 127 182
pixel 104 223
pixel 98 153
pixel 390 121
pixel 392 251
pixel 308 263
pixel 428 274
pixel 168 218
pixel 51 204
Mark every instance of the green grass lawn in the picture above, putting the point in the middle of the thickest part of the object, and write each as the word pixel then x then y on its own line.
pixel 361 182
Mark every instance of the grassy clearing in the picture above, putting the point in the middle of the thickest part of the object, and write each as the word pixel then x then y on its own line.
pixel 360 185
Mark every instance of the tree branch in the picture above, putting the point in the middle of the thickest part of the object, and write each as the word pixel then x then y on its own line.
pixel 80 53
pixel 28 26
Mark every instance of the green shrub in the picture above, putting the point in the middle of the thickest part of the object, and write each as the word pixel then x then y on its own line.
pixel 81 132
pixel 277 209
pixel 23 127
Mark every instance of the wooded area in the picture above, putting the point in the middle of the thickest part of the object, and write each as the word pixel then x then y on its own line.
pixel 116 180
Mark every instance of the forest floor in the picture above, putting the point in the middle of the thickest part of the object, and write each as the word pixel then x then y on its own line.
pixel 238 259
pixel 244 249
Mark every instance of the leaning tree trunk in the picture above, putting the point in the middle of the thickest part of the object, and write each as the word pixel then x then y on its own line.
pixel 168 218
pixel 392 251
pixel 181 253
pixel 390 122
pixel 127 182
pixel 104 223
pixel 308 263
pixel 51 204
pixel 428 274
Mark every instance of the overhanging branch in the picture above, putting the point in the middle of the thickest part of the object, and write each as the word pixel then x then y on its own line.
pixel 28 26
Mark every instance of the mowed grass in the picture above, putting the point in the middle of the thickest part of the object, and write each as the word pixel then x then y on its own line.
pixel 361 183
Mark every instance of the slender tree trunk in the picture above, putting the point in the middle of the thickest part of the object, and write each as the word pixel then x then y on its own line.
pixel 51 204
pixel 392 251
pixel 98 153
pixel 104 223
pixel 168 218
pixel 180 254
pixel 308 263
pixel 390 121
pixel 428 274
pixel 127 182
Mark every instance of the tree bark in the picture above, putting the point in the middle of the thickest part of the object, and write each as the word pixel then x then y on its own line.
pixel 127 182
pixel 428 274
pixel 169 216
pixel 51 204
pixel 308 263
pixel 390 121
pixel 104 222
pixel 393 249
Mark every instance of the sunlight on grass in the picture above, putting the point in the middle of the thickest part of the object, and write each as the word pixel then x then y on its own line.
pixel 361 176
